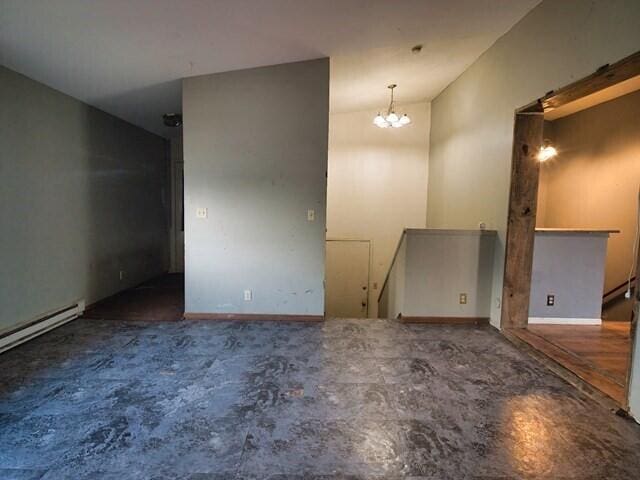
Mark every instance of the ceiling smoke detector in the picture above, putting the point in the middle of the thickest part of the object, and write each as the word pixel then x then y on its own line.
pixel 172 120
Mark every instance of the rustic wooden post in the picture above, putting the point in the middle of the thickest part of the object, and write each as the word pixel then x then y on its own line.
pixel 521 223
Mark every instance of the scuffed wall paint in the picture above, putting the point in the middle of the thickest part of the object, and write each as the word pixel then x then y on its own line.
pixel 255 154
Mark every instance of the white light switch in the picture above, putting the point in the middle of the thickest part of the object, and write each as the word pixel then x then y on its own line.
pixel 311 215
pixel 247 295
pixel 201 212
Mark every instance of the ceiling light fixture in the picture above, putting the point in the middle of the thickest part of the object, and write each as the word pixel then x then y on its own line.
pixel 547 151
pixel 172 120
pixel 391 119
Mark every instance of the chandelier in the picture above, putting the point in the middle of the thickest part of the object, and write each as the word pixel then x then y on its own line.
pixel 391 119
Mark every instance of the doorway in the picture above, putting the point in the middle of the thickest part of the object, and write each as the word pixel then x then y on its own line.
pixel 347 278
pixel 177 206
pixel 161 298
pixel 591 350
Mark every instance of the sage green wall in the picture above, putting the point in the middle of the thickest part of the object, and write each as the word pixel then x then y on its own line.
pixel 81 198
pixel 558 42
pixel 255 156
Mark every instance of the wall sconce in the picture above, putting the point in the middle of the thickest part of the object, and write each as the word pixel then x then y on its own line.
pixel 547 151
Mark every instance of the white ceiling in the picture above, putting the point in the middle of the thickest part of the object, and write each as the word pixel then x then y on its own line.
pixel 127 56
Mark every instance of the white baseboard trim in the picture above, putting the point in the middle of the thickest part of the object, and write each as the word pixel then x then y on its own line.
pixel 564 321
pixel 34 328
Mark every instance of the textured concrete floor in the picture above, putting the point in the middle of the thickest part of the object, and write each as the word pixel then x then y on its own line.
pixel 345 399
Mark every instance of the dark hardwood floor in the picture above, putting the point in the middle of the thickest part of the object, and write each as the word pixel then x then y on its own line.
pixel 598 355
pixel 159 299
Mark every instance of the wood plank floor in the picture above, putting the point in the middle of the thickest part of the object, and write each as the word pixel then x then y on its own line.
pixel 160 299
pixel 597 354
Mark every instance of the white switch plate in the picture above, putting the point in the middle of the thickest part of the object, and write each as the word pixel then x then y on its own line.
pixel 248 295
pixel 201 212
pixel 311 215
pixel 121 274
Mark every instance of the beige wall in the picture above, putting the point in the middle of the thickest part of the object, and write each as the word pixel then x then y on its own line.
pixel 377 183
pixel 594 181
pixel 558 42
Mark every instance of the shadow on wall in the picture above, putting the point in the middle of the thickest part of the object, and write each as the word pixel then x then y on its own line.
pixel 165 97
pixel 126 205
pixel 86 200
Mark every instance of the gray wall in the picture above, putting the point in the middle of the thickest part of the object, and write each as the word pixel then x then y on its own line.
pixel 80 200
pixel 255 153
pixel 570 267
pixel 557 43
pixel 434 267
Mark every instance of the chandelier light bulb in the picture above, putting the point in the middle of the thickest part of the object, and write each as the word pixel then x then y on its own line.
pixel 379 120
pixel 391 119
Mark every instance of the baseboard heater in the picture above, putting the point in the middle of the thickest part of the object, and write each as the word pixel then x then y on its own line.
pixel 22 333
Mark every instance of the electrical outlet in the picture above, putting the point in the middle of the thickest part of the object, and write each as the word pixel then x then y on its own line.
pixel 463 299
pixel 311 215
pixel 248 295
pixel 551 300
pixel 201 212
pixel 498 302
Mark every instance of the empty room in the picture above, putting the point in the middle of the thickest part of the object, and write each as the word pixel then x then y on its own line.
pixel 319 239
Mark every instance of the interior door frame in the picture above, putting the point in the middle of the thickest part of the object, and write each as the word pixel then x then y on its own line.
pixel 176 231
pixel 340 239
pixel 523 194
